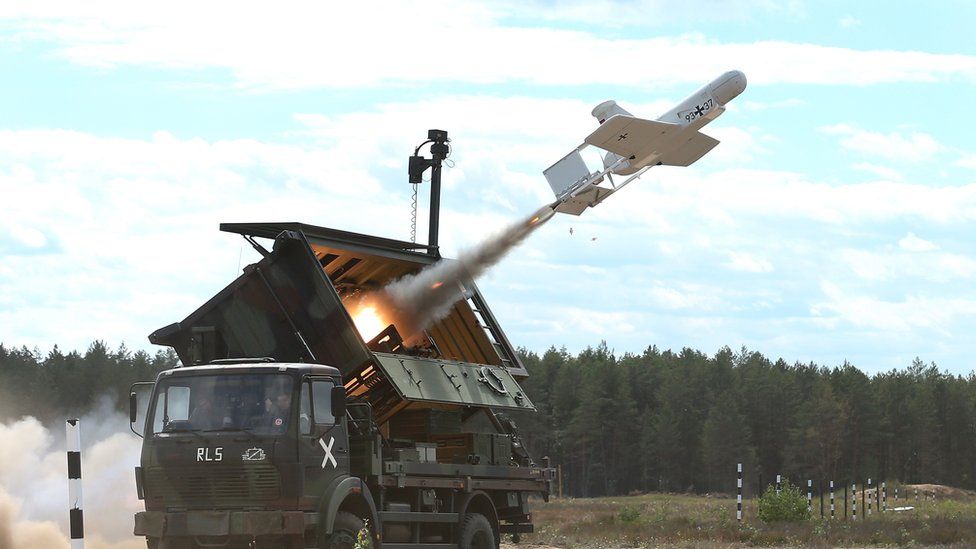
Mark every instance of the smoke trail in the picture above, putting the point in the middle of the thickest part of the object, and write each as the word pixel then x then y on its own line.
pixel 34 487
pixel 7 512
pixel 414 302
pixel 21 533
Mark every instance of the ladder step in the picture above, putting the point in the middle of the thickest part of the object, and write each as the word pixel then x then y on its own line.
pixel 399 516
pixel 515 529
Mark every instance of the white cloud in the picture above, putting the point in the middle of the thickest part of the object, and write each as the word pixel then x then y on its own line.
pixel 309 44
pixel 686 296
pixel 849 21
pixel 27 237
pixel 884 172
pixel 739 146
pixel 913 243
pixel 914 147
pixel 749 263
pixel 768 105
pixel 892 266
pixel 587 322
pixel 643 13
pixel 766 195
pixel 107 237
pixel 112 237
pixel 131 241
pixel 866 265
pixel 967 161
pixel 954 265
pixel 905 316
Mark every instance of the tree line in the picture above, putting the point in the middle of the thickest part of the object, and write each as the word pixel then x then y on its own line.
pixel 680 421
pixel 658 420
pixel 58 385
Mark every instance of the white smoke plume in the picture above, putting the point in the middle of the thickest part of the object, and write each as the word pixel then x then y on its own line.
pixel 34 482
pixel 414 302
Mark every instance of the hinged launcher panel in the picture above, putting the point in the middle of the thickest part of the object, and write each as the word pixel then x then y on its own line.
pixel 293 306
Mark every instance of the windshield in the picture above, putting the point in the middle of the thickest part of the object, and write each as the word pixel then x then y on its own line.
pixel 255 403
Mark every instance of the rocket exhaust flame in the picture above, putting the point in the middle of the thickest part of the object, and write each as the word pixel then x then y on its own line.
pixel 368 321
pixel 414 302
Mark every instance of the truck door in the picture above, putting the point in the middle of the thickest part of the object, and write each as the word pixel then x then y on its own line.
pixel 323 443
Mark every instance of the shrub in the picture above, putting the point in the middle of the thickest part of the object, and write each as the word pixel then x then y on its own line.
pixel 788 505
pixel 629 514
pixel 363 538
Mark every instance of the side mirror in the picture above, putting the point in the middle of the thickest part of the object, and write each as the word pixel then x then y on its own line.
pixel 139 389
pixel 338 402
pixel 133 406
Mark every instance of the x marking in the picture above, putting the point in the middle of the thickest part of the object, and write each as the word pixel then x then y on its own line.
pixel 328 452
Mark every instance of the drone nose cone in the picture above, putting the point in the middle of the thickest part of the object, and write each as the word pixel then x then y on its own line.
pixel 727 87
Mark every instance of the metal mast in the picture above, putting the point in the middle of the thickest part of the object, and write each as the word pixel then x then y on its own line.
pixel 439 149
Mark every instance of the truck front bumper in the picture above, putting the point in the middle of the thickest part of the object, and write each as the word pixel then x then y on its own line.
pixel 158 524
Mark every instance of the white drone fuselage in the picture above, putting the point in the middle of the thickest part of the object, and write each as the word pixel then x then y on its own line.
pixel 634 144
pixel 690 115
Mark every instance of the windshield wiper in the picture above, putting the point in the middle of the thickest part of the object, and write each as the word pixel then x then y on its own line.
pixel 230 429
pixel 181 430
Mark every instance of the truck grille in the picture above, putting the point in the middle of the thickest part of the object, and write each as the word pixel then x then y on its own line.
pixel 203 486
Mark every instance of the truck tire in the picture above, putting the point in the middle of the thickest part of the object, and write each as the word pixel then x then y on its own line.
pixel 476 533
pixel 345 531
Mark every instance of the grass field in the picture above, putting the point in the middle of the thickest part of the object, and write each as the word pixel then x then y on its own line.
pixel 672 520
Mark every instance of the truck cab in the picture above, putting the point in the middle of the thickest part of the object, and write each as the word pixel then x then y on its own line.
pixel 329 439
pixel 241 451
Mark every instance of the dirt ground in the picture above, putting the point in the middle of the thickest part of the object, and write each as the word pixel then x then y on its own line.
pixel 939 491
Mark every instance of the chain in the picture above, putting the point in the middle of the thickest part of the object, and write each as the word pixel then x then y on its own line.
pixel 413 216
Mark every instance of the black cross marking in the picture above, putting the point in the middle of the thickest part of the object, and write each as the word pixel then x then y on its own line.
pixel 621 137
pixel 699 111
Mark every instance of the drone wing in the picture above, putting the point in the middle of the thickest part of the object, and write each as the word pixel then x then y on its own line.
pixel 638 144
pixel 687 153
pixel 634 137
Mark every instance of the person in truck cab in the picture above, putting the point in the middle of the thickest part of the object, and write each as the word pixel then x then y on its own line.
pixel 274 419
pixel 205 415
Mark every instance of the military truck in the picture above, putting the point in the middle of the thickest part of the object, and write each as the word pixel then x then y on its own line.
pixel 286 428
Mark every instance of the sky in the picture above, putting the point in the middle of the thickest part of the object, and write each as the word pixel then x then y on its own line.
pixel 832 223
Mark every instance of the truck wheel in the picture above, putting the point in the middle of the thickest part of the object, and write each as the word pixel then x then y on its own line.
pixel 345 532
pixel 476 533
